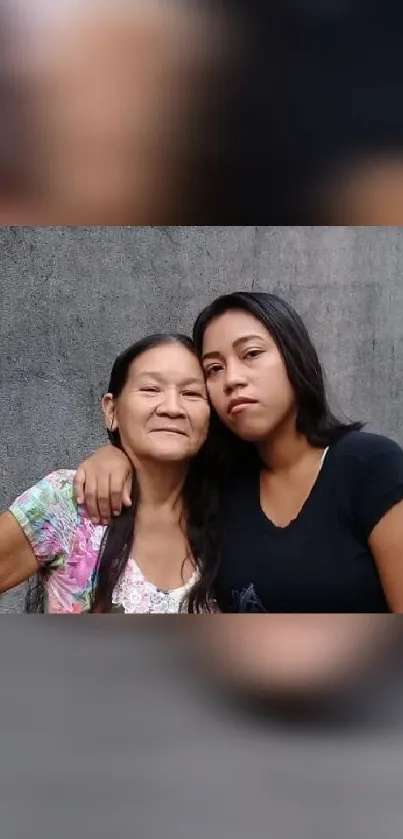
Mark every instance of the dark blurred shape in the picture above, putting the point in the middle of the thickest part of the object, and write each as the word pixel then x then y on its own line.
pixel 15 174
pixel 367 190
pixel 315 119
pixel 321 102
pixel 177 112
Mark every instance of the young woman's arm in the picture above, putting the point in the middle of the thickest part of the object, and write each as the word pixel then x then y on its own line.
pixel 17 559
pixel 379 503
pixel 386 543
pixel 103 482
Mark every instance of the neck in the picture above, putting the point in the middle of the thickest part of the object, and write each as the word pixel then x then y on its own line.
pixel 160 485
pixel 284 449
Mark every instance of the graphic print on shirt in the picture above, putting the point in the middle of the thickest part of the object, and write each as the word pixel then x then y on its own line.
pixel 247 600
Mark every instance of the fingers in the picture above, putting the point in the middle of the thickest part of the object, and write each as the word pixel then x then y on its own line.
pixel 127 491
pixel 103 495
pixel 116 493
pixel 79 484
pixel 104 498
pixel 120 493
pixel 91 499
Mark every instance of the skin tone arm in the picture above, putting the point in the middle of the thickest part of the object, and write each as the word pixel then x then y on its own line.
pixel 103 483
pixel 386 543
pixel 17 559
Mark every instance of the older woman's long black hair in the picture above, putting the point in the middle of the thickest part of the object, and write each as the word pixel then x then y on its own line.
pixel 200 502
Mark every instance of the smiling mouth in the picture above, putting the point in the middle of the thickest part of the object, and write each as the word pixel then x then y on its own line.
pixel 169 431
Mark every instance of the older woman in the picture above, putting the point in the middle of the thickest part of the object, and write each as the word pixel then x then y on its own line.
pixel 159 555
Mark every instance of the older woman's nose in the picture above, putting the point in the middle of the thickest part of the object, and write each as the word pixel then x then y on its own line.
pixel 171 405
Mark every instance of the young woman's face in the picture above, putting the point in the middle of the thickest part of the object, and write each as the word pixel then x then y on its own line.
pixel 246 377
pixel 162 413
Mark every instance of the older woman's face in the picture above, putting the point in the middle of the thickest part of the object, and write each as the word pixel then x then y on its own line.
pixel 115 86
pixel 162 413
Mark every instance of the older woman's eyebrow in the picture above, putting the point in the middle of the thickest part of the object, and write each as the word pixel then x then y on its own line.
pixel 153 374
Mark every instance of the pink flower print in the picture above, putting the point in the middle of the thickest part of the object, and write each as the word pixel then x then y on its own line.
pixel 77 608
pixel 83 559
pixel 60 597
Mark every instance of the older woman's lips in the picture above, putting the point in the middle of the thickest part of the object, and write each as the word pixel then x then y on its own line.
pixel 170 430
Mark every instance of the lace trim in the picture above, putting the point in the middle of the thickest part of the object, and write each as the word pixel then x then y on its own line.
pixel 136 595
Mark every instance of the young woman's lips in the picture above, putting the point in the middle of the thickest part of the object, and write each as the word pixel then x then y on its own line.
pixel 236 407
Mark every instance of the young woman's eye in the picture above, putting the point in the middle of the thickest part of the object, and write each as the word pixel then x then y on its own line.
pixel 252 353
pixel 212 371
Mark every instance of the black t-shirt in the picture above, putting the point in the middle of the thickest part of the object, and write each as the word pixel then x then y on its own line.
pixel 321 561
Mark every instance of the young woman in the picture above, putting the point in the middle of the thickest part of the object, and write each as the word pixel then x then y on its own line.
pixel 158 554
pixel 312 508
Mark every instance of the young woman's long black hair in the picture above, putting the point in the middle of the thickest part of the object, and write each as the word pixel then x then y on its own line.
pixel 200 504
pixel 315 419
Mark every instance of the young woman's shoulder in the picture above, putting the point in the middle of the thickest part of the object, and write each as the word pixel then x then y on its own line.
pixel 365 446
pixel 370 470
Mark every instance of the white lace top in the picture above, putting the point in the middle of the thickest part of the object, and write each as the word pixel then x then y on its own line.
pixel 136 595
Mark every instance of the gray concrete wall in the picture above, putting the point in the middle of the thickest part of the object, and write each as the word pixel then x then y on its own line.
pixel 72 298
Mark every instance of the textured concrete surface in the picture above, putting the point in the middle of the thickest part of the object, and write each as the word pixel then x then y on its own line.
pixel 72 298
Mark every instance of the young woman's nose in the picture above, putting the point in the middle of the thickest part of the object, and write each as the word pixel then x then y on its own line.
pixel 234 376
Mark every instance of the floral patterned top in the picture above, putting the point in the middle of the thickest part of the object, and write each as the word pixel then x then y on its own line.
pixel 66 544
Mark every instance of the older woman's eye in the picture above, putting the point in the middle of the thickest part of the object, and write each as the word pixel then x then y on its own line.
pixel 150 389
pixel 194 393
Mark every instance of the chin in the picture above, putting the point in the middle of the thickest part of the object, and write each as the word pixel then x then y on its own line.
pixel 171 448
pixel 169 455
pixel 252 435
pixel 250 429
pixel 259 428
